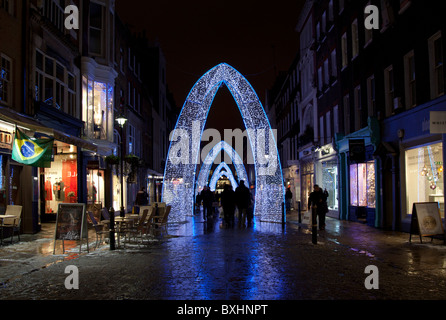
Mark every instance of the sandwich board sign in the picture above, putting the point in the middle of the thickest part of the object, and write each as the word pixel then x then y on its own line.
pixel 71 224
pixel 426 220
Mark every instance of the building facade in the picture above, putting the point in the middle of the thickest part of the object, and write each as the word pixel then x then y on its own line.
pixel 70 85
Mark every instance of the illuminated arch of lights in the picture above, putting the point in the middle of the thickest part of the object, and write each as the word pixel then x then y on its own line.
pixel 222 170
pixel 183 155
pixel 203 176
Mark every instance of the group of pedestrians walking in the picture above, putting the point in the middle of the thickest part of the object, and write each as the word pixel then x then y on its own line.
pixel 240 199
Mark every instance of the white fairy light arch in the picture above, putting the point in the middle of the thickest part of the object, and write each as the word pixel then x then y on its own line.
pixel 183 155
pixel 203 176
pixel 222 170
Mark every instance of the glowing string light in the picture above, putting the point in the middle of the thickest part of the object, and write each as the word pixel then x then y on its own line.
pixel 222 170
pixel 179 174
pixel 205 169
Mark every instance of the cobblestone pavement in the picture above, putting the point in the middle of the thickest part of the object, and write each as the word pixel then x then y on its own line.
pixel 205 261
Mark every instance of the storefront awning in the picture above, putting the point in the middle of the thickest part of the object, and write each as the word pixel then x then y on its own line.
pixel 14 118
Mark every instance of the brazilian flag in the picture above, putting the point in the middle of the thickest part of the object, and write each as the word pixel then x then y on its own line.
pixel 33 152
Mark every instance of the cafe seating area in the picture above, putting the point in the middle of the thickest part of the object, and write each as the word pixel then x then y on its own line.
pixel 143 225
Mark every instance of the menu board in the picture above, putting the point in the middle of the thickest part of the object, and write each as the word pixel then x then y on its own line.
pixel 71 223
pixel 426 220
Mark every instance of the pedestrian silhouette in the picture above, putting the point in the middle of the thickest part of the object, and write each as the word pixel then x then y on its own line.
pixel 243 201
pixel 228 204
pixel 208 197
pixel 318 199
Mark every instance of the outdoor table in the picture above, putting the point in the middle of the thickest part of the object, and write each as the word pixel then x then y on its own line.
pixel 2 217
pixel 119 221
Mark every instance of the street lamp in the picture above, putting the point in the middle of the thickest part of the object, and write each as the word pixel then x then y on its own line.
pixel 121 121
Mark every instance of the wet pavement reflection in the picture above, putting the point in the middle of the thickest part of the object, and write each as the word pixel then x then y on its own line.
pixel 206 260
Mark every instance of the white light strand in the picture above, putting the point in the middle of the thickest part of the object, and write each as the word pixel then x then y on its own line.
pixel 179 176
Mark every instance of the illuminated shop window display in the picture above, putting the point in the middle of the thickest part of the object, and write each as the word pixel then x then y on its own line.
pixel 60 181
pixel 329 183
pixel 98 109
pixel 425 175
pixel 95 186
pixel 362 185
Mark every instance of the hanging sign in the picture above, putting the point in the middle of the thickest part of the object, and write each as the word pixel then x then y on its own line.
pixel 426 220
pixel 437 122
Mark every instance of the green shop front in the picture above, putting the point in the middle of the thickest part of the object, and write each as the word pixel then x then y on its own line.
pixel 359 175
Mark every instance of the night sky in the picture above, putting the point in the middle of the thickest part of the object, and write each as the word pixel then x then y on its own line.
pixel 257 38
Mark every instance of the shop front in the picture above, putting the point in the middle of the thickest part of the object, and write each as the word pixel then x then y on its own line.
pixel 59 183
pixel 326 163
pixel 419 160
pixel 307 178
pixel 359 175
pixel 291 179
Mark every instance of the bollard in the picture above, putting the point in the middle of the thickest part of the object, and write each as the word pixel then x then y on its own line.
pixel 112 228
pixel 314 224
pixel 299 212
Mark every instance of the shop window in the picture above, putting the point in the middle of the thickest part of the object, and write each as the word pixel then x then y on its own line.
pixel 329 183
pixel 60 181
pixel 362 185
pixel 424 175
pixel 95 186
pixel 98 109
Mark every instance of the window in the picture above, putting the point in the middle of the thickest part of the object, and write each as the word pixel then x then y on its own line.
pixel 371 102
pixel 334 69
pixel 5 80
pixel 54 12
pixel 328 126
pixel 436 65
pixel 355 39
pixel 319 79
pixel 341 5
pixel 409 79
pixel 389 90
pixel 344 50
pixel 357 101
pixel 8 6
pixel 54 84
pixel 326 73
pixel 96 25
pixel 424 175
pixel 98 109
pixel 132 137
pixel 321 130
pixel 347 114
pixel 335 119
pixel 362 185
pixel 330 11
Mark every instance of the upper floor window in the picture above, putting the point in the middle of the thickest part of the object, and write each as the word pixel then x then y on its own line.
pixel 409 79
pixel 53 10
pixel 389 90
pixel 5 79
pixel 96 27
pixel 436 65
pixel 8 6
pixel 355 39
pixel 54 84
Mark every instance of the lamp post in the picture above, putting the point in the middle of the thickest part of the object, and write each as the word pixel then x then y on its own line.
pixel 121 121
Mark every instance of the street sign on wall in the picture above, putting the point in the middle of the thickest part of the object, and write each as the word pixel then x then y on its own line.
pixel 437 122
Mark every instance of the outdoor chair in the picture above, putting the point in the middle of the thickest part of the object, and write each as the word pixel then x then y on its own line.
pixel 141 227
pixel 12 223
pixel 99 228
pixel 161 224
